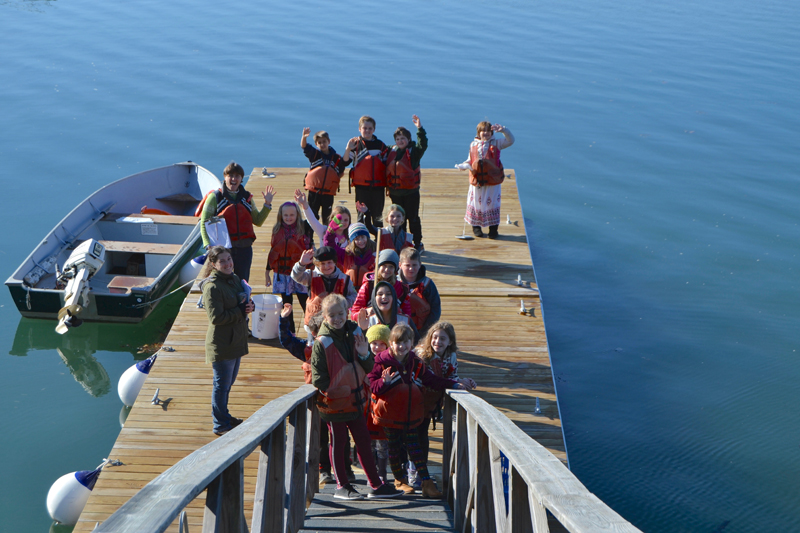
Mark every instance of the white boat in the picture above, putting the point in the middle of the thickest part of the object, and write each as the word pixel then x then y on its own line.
pixel 141 230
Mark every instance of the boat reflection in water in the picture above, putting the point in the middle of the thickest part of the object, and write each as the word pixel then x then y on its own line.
pixel 78 348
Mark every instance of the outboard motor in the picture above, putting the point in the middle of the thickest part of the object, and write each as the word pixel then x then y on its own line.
pixel 83 263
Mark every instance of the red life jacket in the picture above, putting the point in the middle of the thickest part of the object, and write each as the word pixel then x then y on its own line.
pixel 433 397
pixel 322 179
pixel 317 293
pixel 420 308
pixel 356 272
pixel 286 250
pixel 487 171
pixel 399 174
pixel 402 406
pixel 307 366
pixel 387 243
pixel 346 392
pixel 237 213
pixel 369 171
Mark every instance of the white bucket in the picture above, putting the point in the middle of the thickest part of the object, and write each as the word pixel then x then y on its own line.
pixel 266 317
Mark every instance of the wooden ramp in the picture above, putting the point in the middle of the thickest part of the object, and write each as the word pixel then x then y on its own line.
pixel 505 352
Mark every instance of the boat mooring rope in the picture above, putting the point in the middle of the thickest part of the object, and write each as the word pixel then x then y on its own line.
pixel 151 302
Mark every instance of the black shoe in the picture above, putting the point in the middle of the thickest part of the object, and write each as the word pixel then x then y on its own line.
pixel 221 432
pixel 420 247
pixel 477 231
pixel 384 491
pixel 347 493
pixel 493 232
pixel 235 421
pixel 325 477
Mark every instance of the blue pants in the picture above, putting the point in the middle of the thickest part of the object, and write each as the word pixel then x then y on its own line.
pixel 225 373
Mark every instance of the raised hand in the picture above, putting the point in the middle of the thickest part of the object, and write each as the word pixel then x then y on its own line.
pixel 362 319
pixel 498 127
pixel 286 312
pixel 306 132
pixel 352 143
pixel 300 198
pixel 306 258
pixel 416 121
pixel 362 346
pixel 361 207
pixel 268 194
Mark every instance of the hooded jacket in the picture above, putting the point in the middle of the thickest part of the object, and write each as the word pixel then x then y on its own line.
pixel 226 337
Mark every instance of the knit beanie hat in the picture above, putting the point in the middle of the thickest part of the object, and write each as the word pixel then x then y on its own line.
pixel 378 332
pixel 357 229
pixel 389 256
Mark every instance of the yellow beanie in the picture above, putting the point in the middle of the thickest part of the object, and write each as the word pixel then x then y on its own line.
pixel 378 332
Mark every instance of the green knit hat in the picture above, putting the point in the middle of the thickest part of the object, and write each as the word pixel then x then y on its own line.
pixel 378 332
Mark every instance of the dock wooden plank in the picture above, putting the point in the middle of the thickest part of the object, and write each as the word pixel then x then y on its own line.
pixel 505 352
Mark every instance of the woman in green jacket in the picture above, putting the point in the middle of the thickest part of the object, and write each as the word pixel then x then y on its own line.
pixel 227 305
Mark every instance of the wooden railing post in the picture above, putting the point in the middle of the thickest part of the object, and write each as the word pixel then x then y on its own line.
pixel 296 433
pixel 484 497
pixel 447 448
pixel 312 480
pixel 462 481
pixel 270 489
pixel 498 490
pixel 224 512
pixel 520 519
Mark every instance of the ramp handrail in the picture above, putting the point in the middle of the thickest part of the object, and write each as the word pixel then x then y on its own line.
pixel 537 481
pixel 219 466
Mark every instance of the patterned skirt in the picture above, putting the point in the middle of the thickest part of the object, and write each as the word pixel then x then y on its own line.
pixel 483 206
pixel 284 284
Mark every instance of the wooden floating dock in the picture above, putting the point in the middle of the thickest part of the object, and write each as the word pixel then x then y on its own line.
pixel 505 352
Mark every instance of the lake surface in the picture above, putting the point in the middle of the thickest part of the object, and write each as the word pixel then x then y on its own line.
pixel 657 157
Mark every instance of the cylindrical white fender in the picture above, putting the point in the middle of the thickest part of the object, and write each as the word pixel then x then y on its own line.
pixel 67 497
pixel 123 415
pixel 131 381
pixel 190 271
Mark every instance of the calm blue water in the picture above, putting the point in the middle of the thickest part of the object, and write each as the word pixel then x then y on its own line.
pixel 657 156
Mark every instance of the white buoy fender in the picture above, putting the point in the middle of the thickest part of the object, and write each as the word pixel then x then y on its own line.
pixel 67 497
pixel 131 381
pixel 191 270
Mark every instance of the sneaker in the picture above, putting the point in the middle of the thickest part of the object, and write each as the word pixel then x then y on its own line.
pixel 235 421
pixel 384 491
pixel 420 247
pixel 325 477
pixel 221 432
pixel 414 480
pixel 347 493
pixel 351 476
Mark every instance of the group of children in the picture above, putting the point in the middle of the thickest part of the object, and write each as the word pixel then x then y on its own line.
pixel 376 348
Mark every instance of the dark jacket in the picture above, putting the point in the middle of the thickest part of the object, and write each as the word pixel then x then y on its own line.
pixel 431 295
pixel 226 337
pixel 344 341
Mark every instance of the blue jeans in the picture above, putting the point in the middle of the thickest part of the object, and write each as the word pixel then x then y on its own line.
pixel 225 373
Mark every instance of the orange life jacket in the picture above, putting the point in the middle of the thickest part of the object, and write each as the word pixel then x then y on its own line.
pixel 420 308
pixel 286 250
pixel 356 272
pixel 399 174
pixel 322 179
pixel 486 171
pixel 346 392
pixel 387 243
pixel 237 213
pixel 317 293
pixel 402 406
pixel 307 366
pixel 369 171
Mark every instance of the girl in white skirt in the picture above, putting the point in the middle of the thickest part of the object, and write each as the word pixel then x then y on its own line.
pixel 485 178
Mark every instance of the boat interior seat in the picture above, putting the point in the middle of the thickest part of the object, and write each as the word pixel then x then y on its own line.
pixel 156 218
pixel 141 247
pixel 124 284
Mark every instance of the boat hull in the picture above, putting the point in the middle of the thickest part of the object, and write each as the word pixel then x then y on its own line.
pixel 155 246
